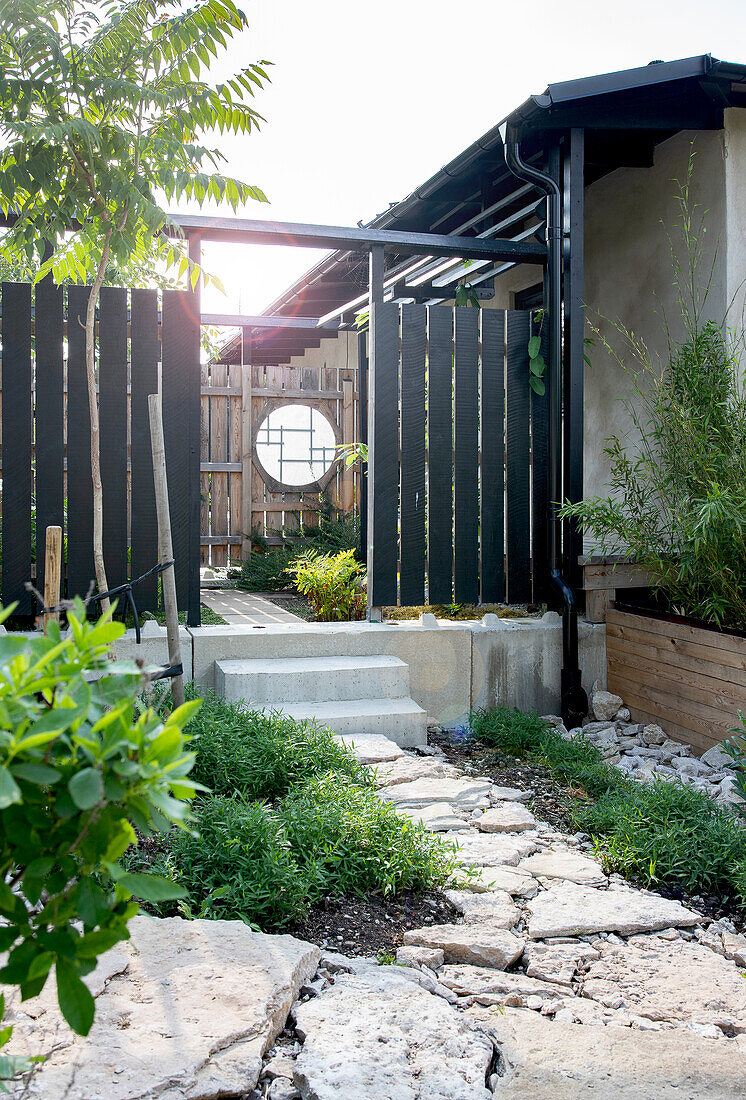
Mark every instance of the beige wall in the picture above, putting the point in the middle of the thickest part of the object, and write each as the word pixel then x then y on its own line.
pixel 629 276
pixel 735 208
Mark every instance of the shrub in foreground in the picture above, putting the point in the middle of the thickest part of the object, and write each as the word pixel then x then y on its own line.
pixel 77 770
pixel 665 832
pixel 261 754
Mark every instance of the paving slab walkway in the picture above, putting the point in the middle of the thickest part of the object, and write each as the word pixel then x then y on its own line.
pixel 582 984
pixel 245 608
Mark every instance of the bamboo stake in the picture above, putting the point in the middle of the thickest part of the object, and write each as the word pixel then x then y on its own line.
pixel 52 572
pixel 165 546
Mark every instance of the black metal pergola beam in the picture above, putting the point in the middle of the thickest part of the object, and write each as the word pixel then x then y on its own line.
pixel 248 231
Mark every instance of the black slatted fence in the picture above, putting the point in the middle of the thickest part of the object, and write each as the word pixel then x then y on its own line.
pixel 46 465
pixel 459 467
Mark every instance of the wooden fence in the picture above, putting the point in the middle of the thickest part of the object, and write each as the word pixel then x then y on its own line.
pixel 460 458
pixel 235 496
pixel 144 342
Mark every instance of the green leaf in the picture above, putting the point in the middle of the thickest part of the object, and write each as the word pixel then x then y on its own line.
pixel 41 774
pixel 537 366
pixel 537 386
pixel 151 887
pixel 74 997
pixel 10 792
pixel 86 788
pixel 533 346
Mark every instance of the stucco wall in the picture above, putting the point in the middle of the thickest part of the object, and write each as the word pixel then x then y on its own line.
pixel 735 207
pixel 629 275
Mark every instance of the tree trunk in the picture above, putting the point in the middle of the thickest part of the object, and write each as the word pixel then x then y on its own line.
pixel 98 494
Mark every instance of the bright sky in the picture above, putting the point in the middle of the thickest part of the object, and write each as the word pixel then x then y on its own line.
pixel 369 100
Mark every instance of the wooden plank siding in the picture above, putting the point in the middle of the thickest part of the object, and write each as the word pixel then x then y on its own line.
pixel 689 679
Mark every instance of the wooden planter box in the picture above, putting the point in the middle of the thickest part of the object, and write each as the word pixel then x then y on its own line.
pixel 688 678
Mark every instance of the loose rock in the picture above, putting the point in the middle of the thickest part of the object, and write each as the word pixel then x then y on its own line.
pixel 476 943
pixel 509 817
pixel 566 909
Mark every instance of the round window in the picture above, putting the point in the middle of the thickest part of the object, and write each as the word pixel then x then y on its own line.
pixel 295 444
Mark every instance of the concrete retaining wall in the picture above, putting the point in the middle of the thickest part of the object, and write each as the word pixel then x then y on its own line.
pixel 453 666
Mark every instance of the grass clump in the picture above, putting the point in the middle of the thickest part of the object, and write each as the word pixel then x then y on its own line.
pixel 261 754
pixel 661 832
pixel 289 818
pixel 667 832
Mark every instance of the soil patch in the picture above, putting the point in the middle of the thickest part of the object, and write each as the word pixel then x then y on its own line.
pixel 372 925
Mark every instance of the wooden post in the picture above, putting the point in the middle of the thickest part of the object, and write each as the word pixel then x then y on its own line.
pixel 246 446
pixel 165 546
pixel 52 572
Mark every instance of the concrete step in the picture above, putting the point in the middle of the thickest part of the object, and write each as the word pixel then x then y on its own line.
pixel 401 720
pixel 272 682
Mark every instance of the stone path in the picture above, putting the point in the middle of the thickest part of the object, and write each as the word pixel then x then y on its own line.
pixel 245 608
pixel 561 982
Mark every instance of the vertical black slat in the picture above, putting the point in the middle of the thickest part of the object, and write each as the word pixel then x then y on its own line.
pixel 193 302
pixel 540 478
pixel 112 378
pixel 17 434
pixel 383 395
pixel 574 364
pixel 49 435
pixel 144 374
pixel 80 569
pixel 518 525
pixel 492 423
pixel 181 385
pixel 362 405
pixel 466 455
pixel 412 569
pixel 440 455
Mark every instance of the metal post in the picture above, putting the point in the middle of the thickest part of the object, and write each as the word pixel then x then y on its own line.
pixel 362 386
pixel 375 296
pixel 572 211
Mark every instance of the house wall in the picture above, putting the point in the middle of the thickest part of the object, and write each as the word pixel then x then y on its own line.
pixel 735 210
pixel 629 276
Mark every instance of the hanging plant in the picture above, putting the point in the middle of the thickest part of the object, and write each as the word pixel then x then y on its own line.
pixel 536 365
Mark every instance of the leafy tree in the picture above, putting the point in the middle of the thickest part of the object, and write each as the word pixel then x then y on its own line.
pixel 102 108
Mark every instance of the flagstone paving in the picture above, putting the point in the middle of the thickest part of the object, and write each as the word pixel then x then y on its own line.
pixel 581 983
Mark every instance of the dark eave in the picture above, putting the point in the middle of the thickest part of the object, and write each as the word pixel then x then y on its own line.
pixel 625 115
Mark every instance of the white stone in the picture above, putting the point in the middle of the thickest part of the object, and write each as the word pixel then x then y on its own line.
pixel 371 748
pixel 622 715
pixel 479 980
pixel 566 909
pixel 553 1060
pixel 379 1036
pixel 465 793
pixel 509 794
pixel 735 948
pixel 493 850
pixel 510 879
pixel 189 1011
pixel 652 735
pixel 565 865
pixel 476 943
pixel 675 982
pixel 497 907
pixel 603 704
pixel 509 817
pixel 716 757
pixel 558 962
pixel 408 768
pixel 438 817
pixel 431 957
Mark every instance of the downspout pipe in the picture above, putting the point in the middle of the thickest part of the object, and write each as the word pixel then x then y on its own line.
pixel 574 699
